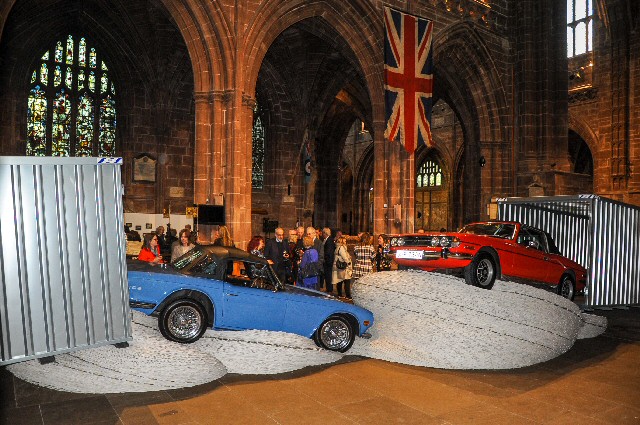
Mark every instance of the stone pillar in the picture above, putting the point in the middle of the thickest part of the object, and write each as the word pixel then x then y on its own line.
pixel 394 177
pixel 380 180
pixel 203 160
pixel 243 171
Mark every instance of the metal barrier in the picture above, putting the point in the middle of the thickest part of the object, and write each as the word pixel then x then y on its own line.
pixel 600 234
pixel 62 256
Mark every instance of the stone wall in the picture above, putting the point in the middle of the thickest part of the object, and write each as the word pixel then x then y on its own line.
pixel 189 73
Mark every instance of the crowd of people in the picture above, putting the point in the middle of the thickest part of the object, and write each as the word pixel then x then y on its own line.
pixel 320 258
pixel 312 258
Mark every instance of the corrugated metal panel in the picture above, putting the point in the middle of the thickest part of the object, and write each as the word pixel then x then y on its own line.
pixel 62 256
pixel 598 233
pixel 616 254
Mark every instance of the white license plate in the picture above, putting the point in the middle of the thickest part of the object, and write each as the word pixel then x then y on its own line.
pixel 412 255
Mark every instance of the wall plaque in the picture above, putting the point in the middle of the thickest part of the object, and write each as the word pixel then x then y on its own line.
pixel 144 169
pixel 176 192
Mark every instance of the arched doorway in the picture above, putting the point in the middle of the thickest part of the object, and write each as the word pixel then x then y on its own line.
pixel 309 115
pixel 363 190
pixel 432 196
pixel 581 162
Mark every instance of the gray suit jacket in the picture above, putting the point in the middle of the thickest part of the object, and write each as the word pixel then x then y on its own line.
pixel 319 246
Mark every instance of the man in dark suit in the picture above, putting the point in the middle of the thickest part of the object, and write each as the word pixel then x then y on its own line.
pixel 329 254
pixel 296 254
pixel 276 251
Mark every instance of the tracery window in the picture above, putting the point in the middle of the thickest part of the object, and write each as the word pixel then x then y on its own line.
pixel 579 27
pixel 429 175
pixel 257 175
pixel 71 107
pixel 431 196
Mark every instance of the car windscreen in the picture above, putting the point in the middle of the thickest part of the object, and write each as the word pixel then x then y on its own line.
pixel 190 257
pixel 497 230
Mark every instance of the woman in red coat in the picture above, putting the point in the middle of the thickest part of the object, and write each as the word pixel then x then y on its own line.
pixel 150 251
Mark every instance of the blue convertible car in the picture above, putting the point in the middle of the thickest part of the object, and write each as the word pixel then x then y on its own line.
pixel 227 288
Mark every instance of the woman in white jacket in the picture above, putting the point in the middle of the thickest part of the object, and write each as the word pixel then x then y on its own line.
pixel 342 275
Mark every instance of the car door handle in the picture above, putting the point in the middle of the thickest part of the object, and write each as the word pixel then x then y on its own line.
pixel 232 295
pixel 546 258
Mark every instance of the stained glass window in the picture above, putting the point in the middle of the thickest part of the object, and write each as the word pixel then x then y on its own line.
pixel 68 78
pixel 107 127
pixel 59 51
pixel 69 50
pixel 81 80
pixel 84 128
pixel 44 74
pixel 257 175
pixel 61 122
pixel 57 76
pixel 67 118
pixel 82 53
pixel 104 83
pixel 37 122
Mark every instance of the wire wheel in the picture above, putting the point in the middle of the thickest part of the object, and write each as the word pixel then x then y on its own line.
pixel 335 334
pixel 183 321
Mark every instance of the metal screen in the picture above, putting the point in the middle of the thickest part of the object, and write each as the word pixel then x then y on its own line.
pixel 62 256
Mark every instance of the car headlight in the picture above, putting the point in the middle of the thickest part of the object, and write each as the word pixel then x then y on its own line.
pixel 435 241
pixel 400 241
pixel 444 242
pixel 455 242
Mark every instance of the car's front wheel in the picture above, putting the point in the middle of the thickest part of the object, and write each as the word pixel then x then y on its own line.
pixel 335 334
pixel 566 288
pixel 183 321
pixel 481 272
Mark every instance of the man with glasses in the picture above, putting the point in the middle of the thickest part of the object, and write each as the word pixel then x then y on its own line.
pixel 277 253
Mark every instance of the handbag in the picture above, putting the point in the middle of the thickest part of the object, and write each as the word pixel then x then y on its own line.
pixel 309 270
pixel 341 265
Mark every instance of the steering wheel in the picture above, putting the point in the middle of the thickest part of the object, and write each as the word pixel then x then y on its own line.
pixel 258 282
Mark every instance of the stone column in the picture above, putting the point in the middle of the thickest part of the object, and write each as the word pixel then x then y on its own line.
pixel 380 179
pixel 203 159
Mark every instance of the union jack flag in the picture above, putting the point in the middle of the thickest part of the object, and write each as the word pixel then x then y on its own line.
pixel 408 78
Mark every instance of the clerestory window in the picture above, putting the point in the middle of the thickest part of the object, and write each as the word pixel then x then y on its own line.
pixel 71 107
pixel 579 27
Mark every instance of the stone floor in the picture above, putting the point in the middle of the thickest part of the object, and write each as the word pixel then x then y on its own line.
pixel 596 382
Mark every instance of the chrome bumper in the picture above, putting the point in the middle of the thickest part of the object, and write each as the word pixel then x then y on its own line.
pixel 429 255
pixel 138 304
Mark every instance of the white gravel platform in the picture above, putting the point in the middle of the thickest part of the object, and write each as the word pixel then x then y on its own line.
pixel 435 320
pixel 421 318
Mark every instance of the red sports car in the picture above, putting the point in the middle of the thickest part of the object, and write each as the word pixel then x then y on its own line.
pixel 489 250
